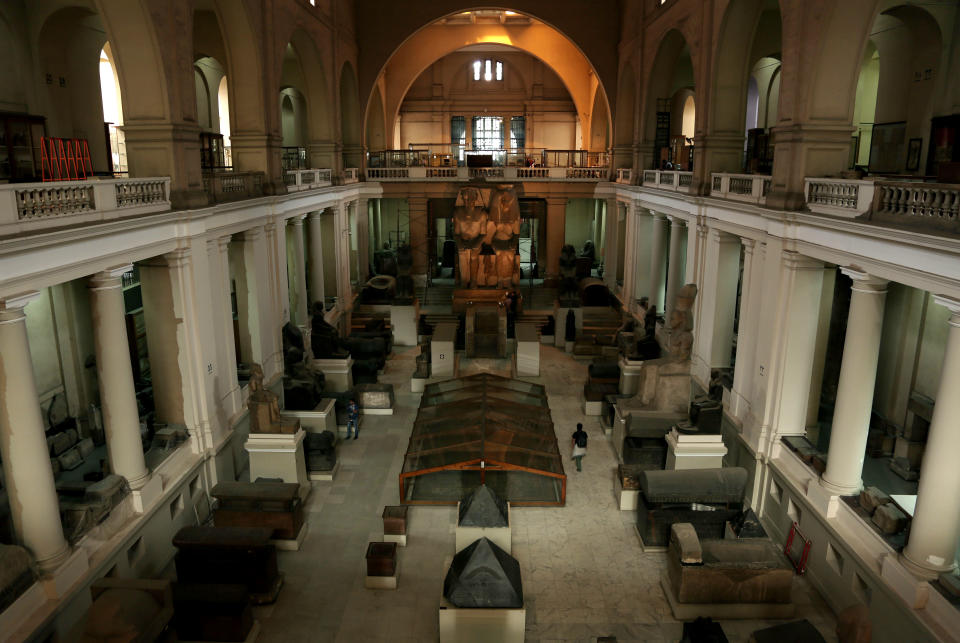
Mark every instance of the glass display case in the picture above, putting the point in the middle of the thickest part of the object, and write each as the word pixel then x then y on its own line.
pixel 483 429
pixel 20 136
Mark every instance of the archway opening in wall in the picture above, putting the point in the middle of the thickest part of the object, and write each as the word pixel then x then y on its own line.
pixel 296 103
pixel 112 113
pixel 497 71
pixel 72 89
pixel 894 128
pixel 453 115
pixel 213 92
pixel 746 93
pixel 671 83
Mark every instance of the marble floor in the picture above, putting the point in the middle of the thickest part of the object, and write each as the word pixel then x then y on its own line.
pixel 584 574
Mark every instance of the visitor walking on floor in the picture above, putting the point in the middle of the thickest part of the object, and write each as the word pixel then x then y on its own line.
pixel 579 443
pixel 353 419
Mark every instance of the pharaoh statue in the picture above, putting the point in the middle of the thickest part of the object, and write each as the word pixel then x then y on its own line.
pixel 265 408
pixel 505 216
pixel 469 229
pixel 568 272
pixel 664 382
pixel 325 340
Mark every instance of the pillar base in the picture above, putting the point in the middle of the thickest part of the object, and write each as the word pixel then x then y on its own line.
pixel 59 581
pixel 52 563
pixel 926 571
pixel 840 489
pixel 826 502
pixel 144 497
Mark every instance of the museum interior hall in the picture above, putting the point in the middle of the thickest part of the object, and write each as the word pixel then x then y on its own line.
pixel 545 320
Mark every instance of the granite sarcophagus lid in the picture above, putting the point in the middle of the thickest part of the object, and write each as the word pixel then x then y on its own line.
pixel 483 508
pixel 483 575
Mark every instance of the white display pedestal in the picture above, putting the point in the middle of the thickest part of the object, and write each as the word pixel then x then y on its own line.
pixel 500 536
pixel 325 476
pixel 338 373
pixel 442 350
pixel 320 419
pixel 528 351
pixel 560 317
pixel 694 451
pixel 417 384
pixel 594 408
pixel 403 322
pixel 291 544
pixel 480 624
pixel 400 539
pixel 629 375
pixel 279 455
pixel 626 498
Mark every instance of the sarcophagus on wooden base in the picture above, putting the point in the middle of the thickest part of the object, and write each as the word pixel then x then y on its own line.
pixel 706 498
pixel 381 559
pixel 251 504
pixel 229 555
pixel 211 612
pixel 395 520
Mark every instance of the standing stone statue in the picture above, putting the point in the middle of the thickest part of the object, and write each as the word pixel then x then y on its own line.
pixel 679 336
pixel 568 272
pixel 505 215
pixel 325 339
pixel 264 407
pixel 470 226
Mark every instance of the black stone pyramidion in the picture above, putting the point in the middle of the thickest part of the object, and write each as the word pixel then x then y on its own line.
pixel 483 508
pixel 483 575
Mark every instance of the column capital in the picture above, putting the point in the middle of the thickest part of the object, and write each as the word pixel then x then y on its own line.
pixel 316 215
pixel 11 308
pixel 657 216
pixel 297 220
pixel 951 304
pixel 252 234
pixel 748 244
pixel 109 278
pixel 796 261
pixel 270 227
pixel 676 221
pixel 865 282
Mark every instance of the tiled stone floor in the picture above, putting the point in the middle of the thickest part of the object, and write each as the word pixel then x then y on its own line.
pixel 584 574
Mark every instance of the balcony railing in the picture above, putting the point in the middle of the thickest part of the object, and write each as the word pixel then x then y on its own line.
pixel 351 175
pixel 839 197
pixel 222 187
pixel 298 180
pixel 925 207
pixel 674 180
pixel 39 205
pixel 489 173
pixel 624 175
pixel 449 156
pixel 751 188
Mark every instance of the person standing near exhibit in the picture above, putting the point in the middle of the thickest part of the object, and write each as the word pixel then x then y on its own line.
pixel 579 444
pixel 353 419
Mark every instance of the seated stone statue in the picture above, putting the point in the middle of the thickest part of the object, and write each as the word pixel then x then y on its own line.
pixel 325 339
pixel 589 251
pixel 265 408
pixel 302 385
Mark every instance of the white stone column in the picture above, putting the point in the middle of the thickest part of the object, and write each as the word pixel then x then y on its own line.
pixel 299 271
pixel 227 387
pixel 629 259
pixel 675 268
pixel 858 378
pixel 746 336
pixel 316 256
pixel 28 475
pixel 658 251
pixel 714 336
pixel 935 529
pixel 820 353
pixel 118 398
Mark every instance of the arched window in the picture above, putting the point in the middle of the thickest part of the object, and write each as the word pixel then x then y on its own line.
pixel 223 106
pixel 487 70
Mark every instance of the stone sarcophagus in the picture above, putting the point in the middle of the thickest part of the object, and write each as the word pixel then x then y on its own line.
pixel 726 571
pixel 212 612
pixel 260 504
pixel 705 498
pixel 229 555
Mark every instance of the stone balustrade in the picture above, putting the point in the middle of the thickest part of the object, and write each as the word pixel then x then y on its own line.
pixel 26 206
pixel 751 188
pixel 624 175
pixel 508 173
pixel 839 197
pixel 351 175
pixel 931 206
pixel 297 180
pixel 222 187
pixel 673 180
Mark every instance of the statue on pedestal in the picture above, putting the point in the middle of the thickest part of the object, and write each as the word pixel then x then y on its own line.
pixel 505 216
pixel 470 228
pixel 302 385
pixel 568 272
pixel 325 339
pixel 265 408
